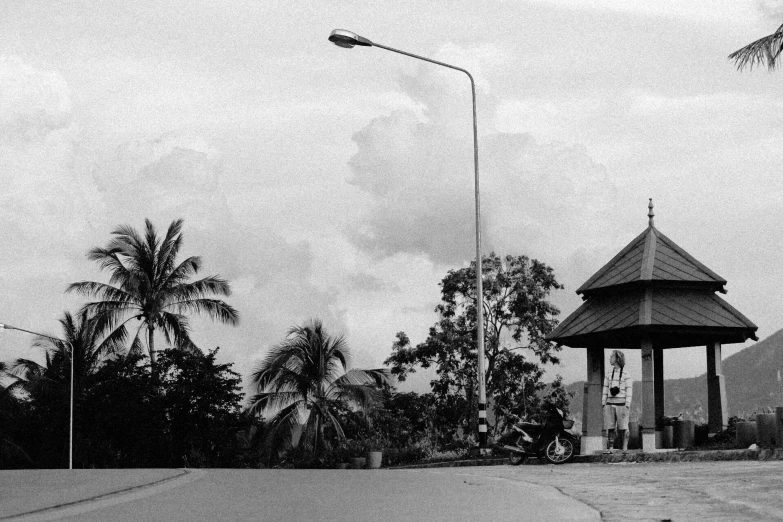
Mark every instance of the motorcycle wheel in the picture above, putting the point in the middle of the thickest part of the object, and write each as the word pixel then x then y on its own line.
pixel 516 458
pixel 561 454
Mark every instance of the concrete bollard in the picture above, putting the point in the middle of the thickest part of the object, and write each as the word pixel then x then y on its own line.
pixel 684 433
pixel 779 426
pixel 766 430
pixel 746 434
pixel 667 440
pixel 634 435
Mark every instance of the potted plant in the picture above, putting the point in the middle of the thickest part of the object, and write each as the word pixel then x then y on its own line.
pixel 374 452
pixel 354 454
pixel 340 456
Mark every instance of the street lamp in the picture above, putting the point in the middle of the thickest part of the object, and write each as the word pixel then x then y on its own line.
pixel 56 339
pixel 348 40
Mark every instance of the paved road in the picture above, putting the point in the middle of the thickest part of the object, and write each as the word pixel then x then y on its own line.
pixel 279 495
pixel 734 491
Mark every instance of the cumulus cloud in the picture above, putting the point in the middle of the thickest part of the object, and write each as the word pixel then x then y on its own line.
pixel 33 102
pixel 721 10
pixel 45 189
pixel 418 172
pixel 177 176
pixel 772 9
pixel 47 201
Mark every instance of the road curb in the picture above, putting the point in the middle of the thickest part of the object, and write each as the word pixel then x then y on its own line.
pixel 629 456
pixel 103 500
pixel 683 456
pixel 455 463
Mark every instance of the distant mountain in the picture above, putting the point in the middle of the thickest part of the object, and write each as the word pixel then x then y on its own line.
pixel 754 382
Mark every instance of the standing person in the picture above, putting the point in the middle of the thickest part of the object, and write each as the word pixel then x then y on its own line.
pixel 616 400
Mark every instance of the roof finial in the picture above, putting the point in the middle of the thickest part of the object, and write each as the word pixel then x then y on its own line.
pixel 651 214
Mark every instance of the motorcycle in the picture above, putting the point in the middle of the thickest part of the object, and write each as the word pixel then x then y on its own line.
pixel 549 442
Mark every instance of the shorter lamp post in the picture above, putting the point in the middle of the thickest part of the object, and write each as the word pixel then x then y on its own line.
pixel 55 339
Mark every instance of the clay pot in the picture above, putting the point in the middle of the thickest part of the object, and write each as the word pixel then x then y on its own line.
pixel 374 459
pixel 746 434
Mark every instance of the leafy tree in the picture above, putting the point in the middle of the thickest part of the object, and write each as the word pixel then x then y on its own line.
pixel 12 455
pixel 123 422
pixel 149 285
pixel 189 414
pixel 517 316
pixel 305 379
pixel 763 51
pixel 203 407
pixel 402 418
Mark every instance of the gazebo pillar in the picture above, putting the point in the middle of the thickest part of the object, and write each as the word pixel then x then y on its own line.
pixel 592 412
pixel 659 395
pixel 648 395
pixel 717 406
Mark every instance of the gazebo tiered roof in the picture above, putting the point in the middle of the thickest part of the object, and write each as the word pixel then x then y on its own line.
pixel 652 256
pixel 654 289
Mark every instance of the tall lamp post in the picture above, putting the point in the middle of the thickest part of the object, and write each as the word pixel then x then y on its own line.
pixel 348 40
pixel 55 339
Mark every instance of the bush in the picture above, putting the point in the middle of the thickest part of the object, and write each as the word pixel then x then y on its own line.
pixel 726 439
pixel 403 456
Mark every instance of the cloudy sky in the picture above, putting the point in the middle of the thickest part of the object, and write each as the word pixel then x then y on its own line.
pixel 338 184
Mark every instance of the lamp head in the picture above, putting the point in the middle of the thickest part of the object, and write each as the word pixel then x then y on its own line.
pixel 347 39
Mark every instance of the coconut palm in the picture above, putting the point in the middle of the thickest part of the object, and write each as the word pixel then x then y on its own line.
pixel 306 378
pixel 147 284
pixel 47 385
pixel 764 51
pixel 80 334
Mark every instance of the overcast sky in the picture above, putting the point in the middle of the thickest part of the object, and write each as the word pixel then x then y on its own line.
pixel 338 184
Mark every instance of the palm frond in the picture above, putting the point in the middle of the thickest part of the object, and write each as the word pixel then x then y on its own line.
pixel 764 51
pixel 214 308
pixel 107 259
pixel 272 401
pixel 212 285
pixel 114 343
pixel 362 395
pixel 19 387
pixel 337 427
pixel 378 377
pixel 169 248
pixel 283 424
pixel 175 328
pixel 26 369
pixel 183 271
pixel 102 291
pixel 109 320
pixel 279 356
pixel 137 347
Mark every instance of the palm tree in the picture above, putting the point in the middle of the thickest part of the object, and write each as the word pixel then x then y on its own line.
pixel 306 377
pixel 47 385
pixel 147 284
pixel 763 51
pixel 81 335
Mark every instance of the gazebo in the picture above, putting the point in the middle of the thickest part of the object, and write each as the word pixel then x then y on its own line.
pixel 652 296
